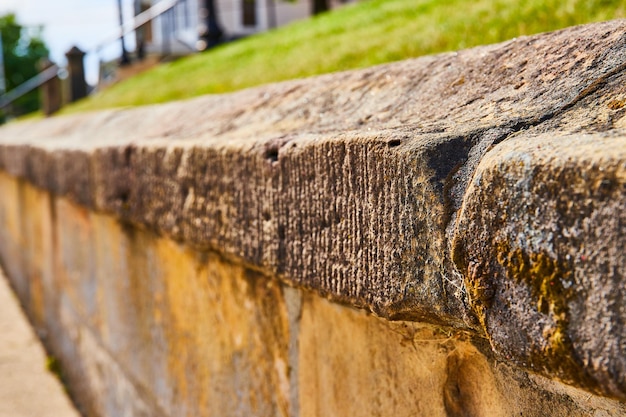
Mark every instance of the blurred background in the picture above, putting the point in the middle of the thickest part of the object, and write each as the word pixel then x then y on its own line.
pixel 107 53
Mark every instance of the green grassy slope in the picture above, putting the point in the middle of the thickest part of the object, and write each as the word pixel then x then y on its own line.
pixel 368 33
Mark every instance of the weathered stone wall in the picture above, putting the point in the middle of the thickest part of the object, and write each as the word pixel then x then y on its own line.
pixel 442 236
pixel 146 326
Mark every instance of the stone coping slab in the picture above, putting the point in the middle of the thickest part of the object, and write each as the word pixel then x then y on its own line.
pixel 482 189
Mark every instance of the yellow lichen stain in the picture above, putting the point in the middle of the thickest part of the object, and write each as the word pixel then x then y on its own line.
pixel 544 276
pixel 478 292
pixel 558 340
pixel 616 104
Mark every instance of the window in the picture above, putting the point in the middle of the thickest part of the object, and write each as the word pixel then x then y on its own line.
pixel 248 9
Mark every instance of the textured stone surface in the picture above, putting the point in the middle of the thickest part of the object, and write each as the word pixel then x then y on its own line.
pixel 355 185
pixel 546 273
pixel 344 183
pixel 541 243
pixel 145 326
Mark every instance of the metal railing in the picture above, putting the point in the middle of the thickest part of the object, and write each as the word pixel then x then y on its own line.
pixel 53 71
pixel 139 20
pixel 29 85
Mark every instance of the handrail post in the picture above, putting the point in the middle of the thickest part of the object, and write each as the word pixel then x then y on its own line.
pixel 76 69
pixel 51 96
pixel 125 60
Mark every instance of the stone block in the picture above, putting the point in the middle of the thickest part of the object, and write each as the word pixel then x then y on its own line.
pixel 540 241
pixel 481 191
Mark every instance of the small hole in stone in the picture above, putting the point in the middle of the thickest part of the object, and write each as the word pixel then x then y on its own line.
pixel 272 154
pixel 127 155
pixel 393 143
pixel 124 196
pixel 281 232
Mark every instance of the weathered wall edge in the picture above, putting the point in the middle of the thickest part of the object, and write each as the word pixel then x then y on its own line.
pixel 360 186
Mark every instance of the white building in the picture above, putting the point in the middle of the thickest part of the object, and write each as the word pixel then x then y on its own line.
pixel 182 29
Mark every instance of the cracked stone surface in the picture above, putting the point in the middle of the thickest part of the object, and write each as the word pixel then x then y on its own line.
pixel 460 189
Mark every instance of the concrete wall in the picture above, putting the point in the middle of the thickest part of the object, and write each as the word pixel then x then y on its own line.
pixel 441 236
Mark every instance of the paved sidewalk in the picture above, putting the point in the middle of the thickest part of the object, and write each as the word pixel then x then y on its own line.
pixel 27 388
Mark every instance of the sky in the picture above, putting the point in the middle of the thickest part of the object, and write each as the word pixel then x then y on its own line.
pixel 67 23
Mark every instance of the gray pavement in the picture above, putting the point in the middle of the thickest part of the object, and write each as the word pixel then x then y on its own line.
pixel 27 388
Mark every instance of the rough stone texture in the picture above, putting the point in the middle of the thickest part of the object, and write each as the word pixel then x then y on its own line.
pixel 355 185
pixel 145 326
pixel 541 239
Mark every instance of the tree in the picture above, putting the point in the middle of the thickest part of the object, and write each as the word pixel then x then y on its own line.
pixel 22 50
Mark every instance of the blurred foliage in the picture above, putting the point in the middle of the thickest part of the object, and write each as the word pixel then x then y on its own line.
pixel 22 49
pixel 360 35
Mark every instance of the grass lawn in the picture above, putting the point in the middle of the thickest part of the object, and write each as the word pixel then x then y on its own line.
pixel 361 35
